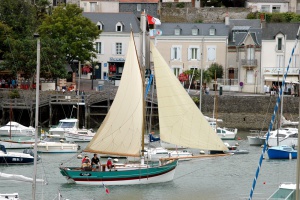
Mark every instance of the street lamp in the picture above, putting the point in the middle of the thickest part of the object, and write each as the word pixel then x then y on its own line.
pixel 93 74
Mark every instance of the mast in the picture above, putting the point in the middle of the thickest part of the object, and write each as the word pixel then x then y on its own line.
pixel 37 94
pixel 78 92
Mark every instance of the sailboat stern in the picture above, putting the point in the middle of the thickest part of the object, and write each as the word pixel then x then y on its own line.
pixel 122 175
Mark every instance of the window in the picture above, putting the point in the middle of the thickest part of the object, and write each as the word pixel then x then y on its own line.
pixel 194 31
pixel 211 53
pixel 177 31
pixel 93 7
pixel 177 70
pixel 118 48
pixel 295 61
pixel 194 53
pixel 279 44
pixel 279 61
pixel 139 7
pixel 119 27
pixel 250 76
pixel 275 9
pixel 265 8
pixel 250 53
pixel 212 31
pixel 99 25
pixel 98 47
pixel 176 53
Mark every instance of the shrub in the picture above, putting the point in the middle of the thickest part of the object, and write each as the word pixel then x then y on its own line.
pixel 180 5
pixel 14 94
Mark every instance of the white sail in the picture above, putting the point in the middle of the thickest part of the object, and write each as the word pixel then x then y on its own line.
pixel 15 177
pixel 121 130
pixel 180 120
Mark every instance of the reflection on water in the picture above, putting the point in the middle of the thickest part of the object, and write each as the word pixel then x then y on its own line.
pixel 219 178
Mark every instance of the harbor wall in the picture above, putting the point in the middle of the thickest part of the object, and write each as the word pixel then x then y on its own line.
pixel 249 112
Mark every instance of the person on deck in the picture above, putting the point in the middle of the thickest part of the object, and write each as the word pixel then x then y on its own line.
pixel 83 159
pixel 95 162
pixel 109 164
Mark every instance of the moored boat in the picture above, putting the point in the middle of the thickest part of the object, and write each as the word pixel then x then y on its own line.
pixel 14 129
pixel 282 152
pixel 56 144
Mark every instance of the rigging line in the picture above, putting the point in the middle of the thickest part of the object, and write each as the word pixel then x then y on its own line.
pixel 273 117
pixel 265 118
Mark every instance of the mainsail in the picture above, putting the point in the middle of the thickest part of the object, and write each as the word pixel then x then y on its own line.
pixel 180 120
pixel 121 130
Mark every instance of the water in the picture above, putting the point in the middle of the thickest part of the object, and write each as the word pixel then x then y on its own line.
pixel 220 178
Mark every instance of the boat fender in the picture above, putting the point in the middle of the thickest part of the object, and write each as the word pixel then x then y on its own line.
pixel 78 148
pixel 62 147
pixel 47 147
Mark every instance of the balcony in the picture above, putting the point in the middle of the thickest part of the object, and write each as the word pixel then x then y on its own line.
pixel 246 62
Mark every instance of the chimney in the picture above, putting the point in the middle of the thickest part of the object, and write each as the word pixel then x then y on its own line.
pixel 262 20
pixel 227 19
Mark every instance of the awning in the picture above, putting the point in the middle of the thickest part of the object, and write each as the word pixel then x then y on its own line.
pixel 289 79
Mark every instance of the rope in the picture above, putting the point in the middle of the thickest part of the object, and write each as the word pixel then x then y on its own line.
pixel 273 117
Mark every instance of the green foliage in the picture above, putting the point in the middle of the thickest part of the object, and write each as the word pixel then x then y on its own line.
pixel 276 17
pixel 196 100
pixel 14 94
pixel 252 15
pixel 168 5
pixel 215 70
pixel 75 32
pixel 199 21
pixel 180 5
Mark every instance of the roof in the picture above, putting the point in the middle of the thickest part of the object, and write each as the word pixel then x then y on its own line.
pixel 244 27
pixel 109 21
pixel 253 23
pixel 186 28
pixel 268 1
pixel 138 1
pixel 288 29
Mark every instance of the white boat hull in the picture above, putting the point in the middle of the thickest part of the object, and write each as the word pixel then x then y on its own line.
pixel 77 137
pixel 17 144
pixel 57 148
pixel 256 140
pixel 287 141
pixel 11 196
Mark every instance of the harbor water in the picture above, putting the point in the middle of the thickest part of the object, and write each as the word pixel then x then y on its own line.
pixel 218 178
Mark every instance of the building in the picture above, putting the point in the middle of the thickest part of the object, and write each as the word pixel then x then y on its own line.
pixel 244 50
pixel 278 40
pixel 270 6
pixel 188 46
pixel 112 43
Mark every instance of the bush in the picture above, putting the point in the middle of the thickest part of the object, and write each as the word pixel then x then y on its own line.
pixel 180 5
pixel 14 94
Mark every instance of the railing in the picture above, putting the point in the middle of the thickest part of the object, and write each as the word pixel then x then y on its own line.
pixel 247 62
pixel 228 81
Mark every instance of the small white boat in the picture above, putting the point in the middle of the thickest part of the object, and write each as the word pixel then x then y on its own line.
pixel 11 196
pixel 285 136
pixel 56 144
pixel 80 135
pixel 181 155
pixel 18 143
pixel 256 138
pixel 64 125
pixel 224 133
pixel 285 191
pixel 14 129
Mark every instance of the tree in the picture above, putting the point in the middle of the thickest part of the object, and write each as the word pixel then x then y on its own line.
pixel 215 70
pixel 75 32
pixel 233 3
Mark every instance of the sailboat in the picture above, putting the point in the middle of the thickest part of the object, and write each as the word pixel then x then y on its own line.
pixel 122 130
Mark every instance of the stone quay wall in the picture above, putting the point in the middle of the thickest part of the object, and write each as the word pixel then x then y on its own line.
pixel 172 14
pixel 249 112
